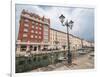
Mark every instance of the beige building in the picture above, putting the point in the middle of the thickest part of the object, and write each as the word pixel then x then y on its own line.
pixel 75 42
pixel 59 39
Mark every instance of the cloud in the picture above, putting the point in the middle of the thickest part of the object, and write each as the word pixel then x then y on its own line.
pixel 84 23
pixel 83 18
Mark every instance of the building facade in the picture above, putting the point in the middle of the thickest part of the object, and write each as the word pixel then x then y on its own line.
pixel 57 39
pixel 35 34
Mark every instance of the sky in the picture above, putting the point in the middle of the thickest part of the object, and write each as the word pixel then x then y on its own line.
pixel 83 18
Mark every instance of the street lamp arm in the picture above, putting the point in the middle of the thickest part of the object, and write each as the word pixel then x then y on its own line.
pixel 68 25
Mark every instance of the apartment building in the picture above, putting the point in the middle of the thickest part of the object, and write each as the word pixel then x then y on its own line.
pixel 34 32
pixel 57 39
pixel 75 42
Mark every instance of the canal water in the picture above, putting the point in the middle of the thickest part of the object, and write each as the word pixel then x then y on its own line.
pixel 24 64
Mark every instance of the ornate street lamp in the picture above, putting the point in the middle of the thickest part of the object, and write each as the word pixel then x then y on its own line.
pixel 68 25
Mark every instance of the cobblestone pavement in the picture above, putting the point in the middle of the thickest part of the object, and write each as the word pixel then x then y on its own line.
pixel 81 62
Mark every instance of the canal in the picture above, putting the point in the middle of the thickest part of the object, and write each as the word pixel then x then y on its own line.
pixel 24 64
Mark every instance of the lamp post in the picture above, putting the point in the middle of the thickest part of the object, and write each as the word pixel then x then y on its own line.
pixel 68 25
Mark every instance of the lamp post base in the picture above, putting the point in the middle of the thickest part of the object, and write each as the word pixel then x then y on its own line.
pixel 69 58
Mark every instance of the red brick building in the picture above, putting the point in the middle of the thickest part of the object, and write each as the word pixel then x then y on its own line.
pixel 34 31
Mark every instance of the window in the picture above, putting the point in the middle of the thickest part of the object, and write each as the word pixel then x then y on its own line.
pixel 27 15
pixel 35 36
pixel 45 27
pixel 46 40
pixel 40 28
pixel 39 37
pixel 46 30
pixel 31 36
pixel 23 48
pixel 36 32
pixel 26 20
pixel 25 30
pixel 33 22
pixel 45 33
pixel 36 23
pixel 39 32
pixel 26 25
pixel 32 31
pixel 32 26
pixel 40 24
pixel 45 37
pixel 36 27
pixel 24 35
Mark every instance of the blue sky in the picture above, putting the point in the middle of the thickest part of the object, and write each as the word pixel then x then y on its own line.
pixel 83 18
